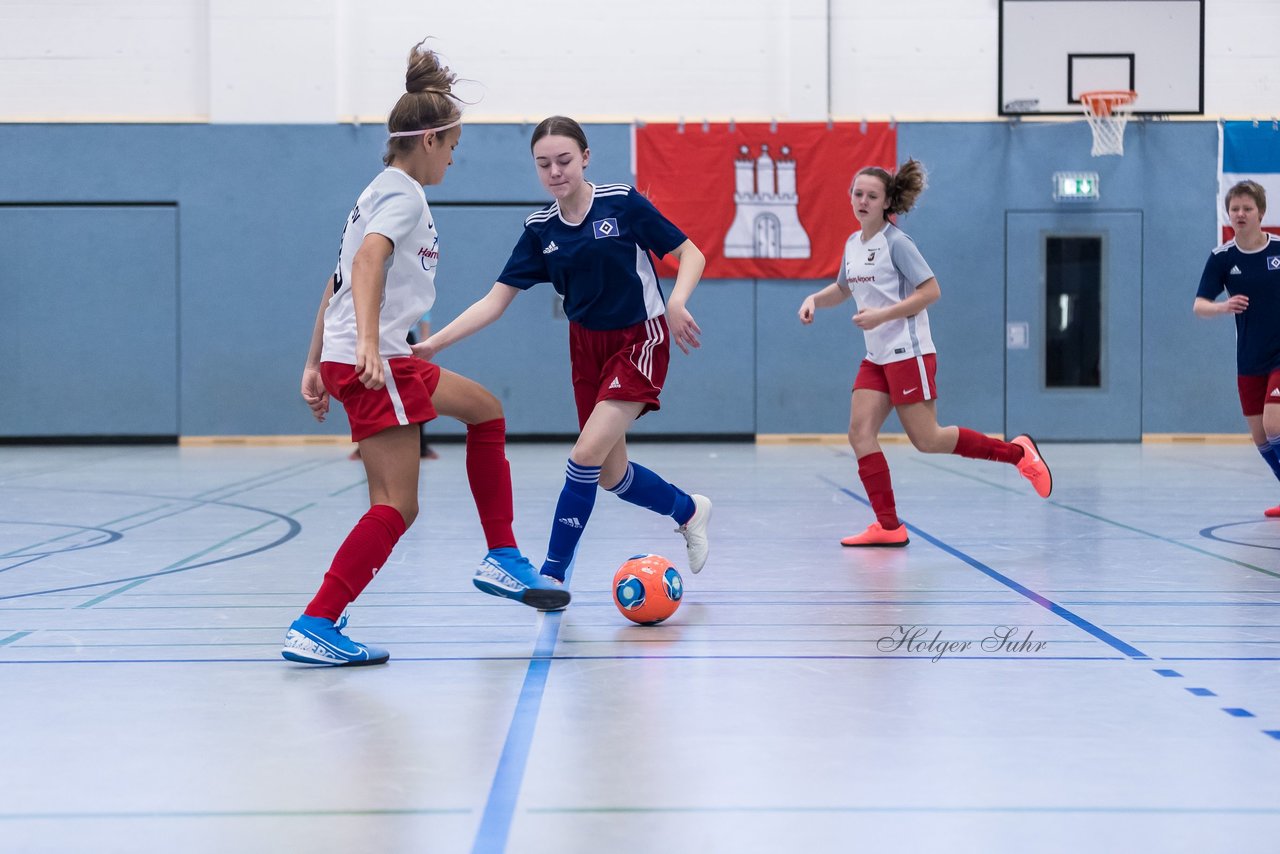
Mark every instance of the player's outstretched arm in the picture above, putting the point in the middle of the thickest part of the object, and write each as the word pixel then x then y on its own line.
pixel 829 296
pixel 1211 308
pixel 684 330
pixel 477 316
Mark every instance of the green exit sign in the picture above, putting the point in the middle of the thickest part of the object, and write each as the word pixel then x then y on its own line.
pixel 1075 186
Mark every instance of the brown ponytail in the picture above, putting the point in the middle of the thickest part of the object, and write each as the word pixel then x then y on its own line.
pixel 428 100
pixel 903 187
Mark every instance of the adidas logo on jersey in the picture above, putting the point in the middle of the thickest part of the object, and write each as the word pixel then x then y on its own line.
pixel 571 521
pixel 615 383
pixel 1235 271
pixel 1275 392
pixel 551 247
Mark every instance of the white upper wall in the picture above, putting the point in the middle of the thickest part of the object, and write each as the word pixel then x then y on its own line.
pixel 320 61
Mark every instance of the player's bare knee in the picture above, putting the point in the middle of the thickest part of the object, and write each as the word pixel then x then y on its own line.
pixel 1270 422
pixel 860 435
pixel 409 510
pixel 482 405
pixel 928 442
pixel 491 408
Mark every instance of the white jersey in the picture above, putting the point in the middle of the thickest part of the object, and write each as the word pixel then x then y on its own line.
pixel 394 206
pixel 882 273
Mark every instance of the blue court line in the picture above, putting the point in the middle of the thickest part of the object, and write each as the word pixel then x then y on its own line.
pixel 1101 634
pixel 175 566
pixel 1205 692
pixel 22 551
pixel 14 637
pixel 267 659
pixel 293 528
pixel 185 814
pixel 630 642
pixel 504 792
pixel 1054 608
pixel 1057 610
pixel 105 596
pixel 195 502
pixel 891 809
pixel 1220 658
pixel 31 559
pixel 722 592
pixel 265 478
pixel 1113 522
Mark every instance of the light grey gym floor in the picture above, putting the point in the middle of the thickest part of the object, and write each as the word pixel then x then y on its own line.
pixel 144 592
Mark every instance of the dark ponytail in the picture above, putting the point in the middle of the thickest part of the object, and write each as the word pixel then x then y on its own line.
pixel 428 100
pixel 901 188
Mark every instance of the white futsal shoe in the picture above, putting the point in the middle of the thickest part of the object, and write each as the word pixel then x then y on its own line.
pixel 695 533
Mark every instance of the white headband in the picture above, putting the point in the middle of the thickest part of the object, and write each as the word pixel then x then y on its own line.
pixel 426 130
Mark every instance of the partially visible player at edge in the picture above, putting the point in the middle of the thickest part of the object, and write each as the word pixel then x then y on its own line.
pixel 593 244
pixel 1248 269
pixel 885 273
pixel 360 355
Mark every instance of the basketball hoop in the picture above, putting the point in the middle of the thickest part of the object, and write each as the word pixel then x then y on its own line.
pixel 1108 113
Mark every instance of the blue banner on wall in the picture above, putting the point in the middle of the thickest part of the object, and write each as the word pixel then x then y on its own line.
pixel 1249 151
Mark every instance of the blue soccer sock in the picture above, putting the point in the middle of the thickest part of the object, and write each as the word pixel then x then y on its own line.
pixel 643 488
pixel 572 512
pixel 1271 453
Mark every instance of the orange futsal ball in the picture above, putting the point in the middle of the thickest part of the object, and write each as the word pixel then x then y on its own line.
pixel 647 589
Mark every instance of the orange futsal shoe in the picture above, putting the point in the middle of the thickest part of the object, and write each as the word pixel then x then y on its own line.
pixel 1033 467
pixel 878 536
pixel 1272 512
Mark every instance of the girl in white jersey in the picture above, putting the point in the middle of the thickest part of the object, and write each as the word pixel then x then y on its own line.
pixel 892 284
pixel 593 245
pixel 360 355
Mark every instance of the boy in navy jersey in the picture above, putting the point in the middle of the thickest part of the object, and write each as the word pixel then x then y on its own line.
pixel 592 244
pixel 1248 269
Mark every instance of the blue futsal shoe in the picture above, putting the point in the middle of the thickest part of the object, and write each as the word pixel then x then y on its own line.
pixel 315 640
pixel 506 572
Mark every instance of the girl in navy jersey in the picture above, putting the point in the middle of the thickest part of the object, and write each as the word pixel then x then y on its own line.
pixel 360 355
pixel 1248 269
pixel 592 244
pixel 885 273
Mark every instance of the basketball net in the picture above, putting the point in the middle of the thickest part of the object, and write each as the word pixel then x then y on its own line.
pixel 1107 113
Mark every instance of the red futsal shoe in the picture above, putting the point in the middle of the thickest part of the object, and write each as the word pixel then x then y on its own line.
pixel 878 536
pixel 1272 512
pixel 1032 467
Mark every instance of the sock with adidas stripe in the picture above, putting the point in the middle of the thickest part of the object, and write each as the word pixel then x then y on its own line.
pixel 1271 453
pixel 643 488
pixel 572 512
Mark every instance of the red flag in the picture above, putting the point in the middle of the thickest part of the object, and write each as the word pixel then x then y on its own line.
pixel 760 203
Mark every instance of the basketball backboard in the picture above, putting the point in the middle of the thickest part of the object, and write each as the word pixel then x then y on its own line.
pixel 1053 50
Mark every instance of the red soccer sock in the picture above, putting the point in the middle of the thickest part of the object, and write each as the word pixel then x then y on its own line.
pixel 873 469
pixel 358 560
pixel 976 446
pixel 489 474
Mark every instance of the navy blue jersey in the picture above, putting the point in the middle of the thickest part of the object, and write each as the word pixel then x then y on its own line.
pixel 601 266
pixel 1256 275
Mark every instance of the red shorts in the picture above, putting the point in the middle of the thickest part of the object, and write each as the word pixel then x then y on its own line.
pixel 1257 391
pixel 619 364
pixel 405 399
pixel 905 381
